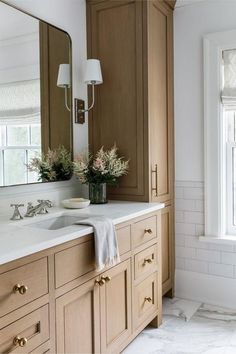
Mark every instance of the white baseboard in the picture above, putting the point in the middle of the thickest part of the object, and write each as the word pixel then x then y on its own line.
pixel 206 288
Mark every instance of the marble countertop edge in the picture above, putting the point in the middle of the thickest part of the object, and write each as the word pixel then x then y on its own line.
pixel 20 238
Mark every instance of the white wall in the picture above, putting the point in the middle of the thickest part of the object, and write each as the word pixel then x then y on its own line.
pixel 205 271
pixel 69 15
pixel 190 24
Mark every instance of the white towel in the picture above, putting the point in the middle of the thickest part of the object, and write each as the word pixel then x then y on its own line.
pixel 105 239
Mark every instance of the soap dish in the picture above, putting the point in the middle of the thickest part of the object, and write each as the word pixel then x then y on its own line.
pixel 75 203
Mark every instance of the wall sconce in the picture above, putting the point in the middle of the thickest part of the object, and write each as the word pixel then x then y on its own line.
pixel 63 81
pixel 92 76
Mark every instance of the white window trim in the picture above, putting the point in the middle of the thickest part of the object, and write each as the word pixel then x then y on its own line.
pixel 230 228
pixel 214 154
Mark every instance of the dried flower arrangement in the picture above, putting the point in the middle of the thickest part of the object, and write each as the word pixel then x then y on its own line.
pixel 104 167
pixel 56 165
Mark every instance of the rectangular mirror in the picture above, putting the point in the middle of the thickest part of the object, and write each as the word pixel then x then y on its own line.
pixel 33 113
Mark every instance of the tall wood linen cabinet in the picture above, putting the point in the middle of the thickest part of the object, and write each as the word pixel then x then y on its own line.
pixel 134 106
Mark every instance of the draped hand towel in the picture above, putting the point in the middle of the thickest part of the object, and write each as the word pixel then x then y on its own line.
pixel 106 247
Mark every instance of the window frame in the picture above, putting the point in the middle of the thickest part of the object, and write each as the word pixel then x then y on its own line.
pixel 230 142
pixel 230 227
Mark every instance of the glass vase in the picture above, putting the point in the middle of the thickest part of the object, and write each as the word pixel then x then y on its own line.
pixel 98 193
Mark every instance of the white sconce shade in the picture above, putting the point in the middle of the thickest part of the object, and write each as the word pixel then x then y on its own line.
pixel 63 79
pixel 93 73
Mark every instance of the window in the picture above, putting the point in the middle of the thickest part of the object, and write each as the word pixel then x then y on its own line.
pixel 20 131
pixel 230 192
pixel 220 134
pixel 18 144
pixel 228 98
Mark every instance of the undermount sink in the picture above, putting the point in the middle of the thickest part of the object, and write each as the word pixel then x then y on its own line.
pixel 58 222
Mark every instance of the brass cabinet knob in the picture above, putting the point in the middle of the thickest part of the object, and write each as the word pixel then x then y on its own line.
pixel 148 299
pixel 20 341
pixel 21 289
pixel 147 260
pixel 107 279
pixel 148 231
pixel 100 282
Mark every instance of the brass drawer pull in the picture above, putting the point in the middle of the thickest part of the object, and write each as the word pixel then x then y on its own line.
pixel 100 282
pixel 107 279
pixel 21 289
pixel 147 260
pixel 20 341
pixel 148 299
pixel 148 231
pixel 156 181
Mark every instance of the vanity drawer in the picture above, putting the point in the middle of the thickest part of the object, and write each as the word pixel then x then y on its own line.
pixel 79 260
pixel 29 331
pixel 74 262
pixel 145 299
pixel 32 278
pixel 145 261
pixel 144 230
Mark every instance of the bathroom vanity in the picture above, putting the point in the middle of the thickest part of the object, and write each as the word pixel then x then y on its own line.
pixel 51 298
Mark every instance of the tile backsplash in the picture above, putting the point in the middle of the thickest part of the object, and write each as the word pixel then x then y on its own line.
pixel 191 254
pixel 55 191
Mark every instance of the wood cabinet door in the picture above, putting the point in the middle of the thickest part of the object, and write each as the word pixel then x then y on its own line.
pixel 78 320
pixel 115 36
pixel 167 248
pixel 160 99
pixel 116 307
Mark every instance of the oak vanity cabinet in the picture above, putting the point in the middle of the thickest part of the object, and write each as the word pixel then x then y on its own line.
pixel 78 320
pixel 55 302
pixel 103 314
pixel 100 309
pixel 134 105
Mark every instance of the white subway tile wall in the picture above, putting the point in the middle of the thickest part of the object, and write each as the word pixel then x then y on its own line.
pixel 192 254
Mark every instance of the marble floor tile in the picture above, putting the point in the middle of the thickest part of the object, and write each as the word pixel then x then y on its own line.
pixel 215 312
pixel 180 307
pixel 211 330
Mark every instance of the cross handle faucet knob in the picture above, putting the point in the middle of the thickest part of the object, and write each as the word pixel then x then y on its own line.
pixel 16 213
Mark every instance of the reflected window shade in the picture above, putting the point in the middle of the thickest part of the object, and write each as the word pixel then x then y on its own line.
pixel 20 102
pixel 228 94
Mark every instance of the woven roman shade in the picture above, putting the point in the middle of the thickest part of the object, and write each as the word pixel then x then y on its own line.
pixel 20 102
pixel 228 94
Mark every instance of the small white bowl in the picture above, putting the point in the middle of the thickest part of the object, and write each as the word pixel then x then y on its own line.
pixel 75 203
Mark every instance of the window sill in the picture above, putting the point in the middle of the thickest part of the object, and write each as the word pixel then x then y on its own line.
pixel 226 239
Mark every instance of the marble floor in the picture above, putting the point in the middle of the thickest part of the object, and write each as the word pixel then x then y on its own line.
pixel 189 328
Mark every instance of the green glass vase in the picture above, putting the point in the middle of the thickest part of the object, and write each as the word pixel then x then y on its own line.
pixel 98 193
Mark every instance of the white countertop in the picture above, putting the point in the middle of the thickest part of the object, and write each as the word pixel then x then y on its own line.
pixel 19 239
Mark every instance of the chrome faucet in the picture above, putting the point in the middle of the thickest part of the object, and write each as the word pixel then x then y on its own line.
pixel 16 213
pixel 40 208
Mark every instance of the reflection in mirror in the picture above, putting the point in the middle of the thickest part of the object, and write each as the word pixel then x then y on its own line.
pixel 33 116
